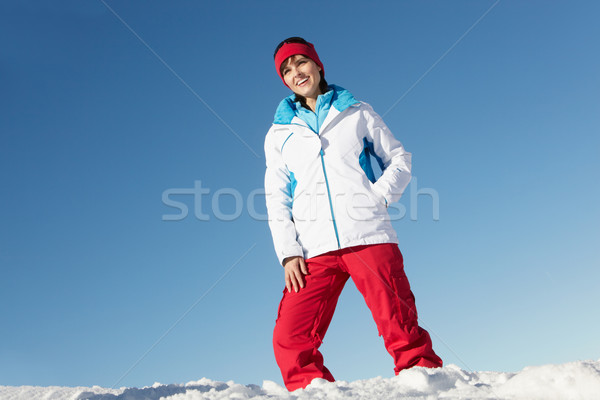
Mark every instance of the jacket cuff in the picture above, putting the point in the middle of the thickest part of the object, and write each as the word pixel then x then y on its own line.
pixel 295 252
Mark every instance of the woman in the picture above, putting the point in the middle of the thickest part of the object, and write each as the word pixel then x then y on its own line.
pixel 329 221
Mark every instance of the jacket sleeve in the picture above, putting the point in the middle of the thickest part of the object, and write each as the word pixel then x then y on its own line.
pixel 395 162
pixel 279 203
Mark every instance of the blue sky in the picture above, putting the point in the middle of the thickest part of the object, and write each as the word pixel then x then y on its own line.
pixel 98 287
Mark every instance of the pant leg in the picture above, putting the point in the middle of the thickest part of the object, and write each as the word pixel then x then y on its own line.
pixel 302 321
pixel 378 272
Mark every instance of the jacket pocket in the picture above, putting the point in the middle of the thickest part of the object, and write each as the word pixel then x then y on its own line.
pixel 379 199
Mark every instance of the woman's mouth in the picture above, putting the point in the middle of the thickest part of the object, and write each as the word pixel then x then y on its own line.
pixel 302 82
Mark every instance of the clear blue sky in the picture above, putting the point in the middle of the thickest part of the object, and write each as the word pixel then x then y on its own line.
pixel 94 128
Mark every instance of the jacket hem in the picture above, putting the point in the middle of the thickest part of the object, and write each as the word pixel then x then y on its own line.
pixel 374 239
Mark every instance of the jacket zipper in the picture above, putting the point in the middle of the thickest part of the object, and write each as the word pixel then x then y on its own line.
pixel 335 229
pixel 322 153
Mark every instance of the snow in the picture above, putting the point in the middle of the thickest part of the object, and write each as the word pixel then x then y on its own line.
pixel 574 380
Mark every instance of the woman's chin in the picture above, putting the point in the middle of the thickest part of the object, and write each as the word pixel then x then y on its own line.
pixel 307 94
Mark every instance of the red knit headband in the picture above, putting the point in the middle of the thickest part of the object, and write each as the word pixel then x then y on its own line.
pixel 291 49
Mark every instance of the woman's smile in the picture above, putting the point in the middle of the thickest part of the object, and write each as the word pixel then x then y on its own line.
pixel 302 82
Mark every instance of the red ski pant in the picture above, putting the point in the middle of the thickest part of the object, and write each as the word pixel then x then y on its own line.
pixel 303 317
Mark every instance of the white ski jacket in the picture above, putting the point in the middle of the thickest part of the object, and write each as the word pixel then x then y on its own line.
pixel 321 191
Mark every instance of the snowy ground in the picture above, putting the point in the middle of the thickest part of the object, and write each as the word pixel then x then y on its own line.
pixel 575 380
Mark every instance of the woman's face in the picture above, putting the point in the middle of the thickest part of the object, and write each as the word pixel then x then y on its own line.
pixel 302 75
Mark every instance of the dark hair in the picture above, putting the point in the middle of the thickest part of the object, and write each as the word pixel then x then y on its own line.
pixel 323 86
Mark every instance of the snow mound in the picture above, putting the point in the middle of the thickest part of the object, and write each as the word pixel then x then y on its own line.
pixel 575 380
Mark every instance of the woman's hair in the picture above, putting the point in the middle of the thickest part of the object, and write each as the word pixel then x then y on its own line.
pixel 323 86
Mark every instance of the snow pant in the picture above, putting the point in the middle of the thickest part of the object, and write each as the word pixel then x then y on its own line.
pixel 303 317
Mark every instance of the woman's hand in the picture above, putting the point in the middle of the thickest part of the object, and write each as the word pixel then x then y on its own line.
pixel 295 269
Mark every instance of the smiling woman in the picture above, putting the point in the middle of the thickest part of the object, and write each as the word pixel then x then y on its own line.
pixel 329 221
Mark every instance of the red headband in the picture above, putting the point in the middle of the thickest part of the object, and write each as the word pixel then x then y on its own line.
pixel 291 49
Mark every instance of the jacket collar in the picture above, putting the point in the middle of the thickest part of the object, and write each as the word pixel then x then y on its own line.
pixel 286 110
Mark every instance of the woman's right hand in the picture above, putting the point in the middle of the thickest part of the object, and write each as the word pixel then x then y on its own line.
pixel 295 269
